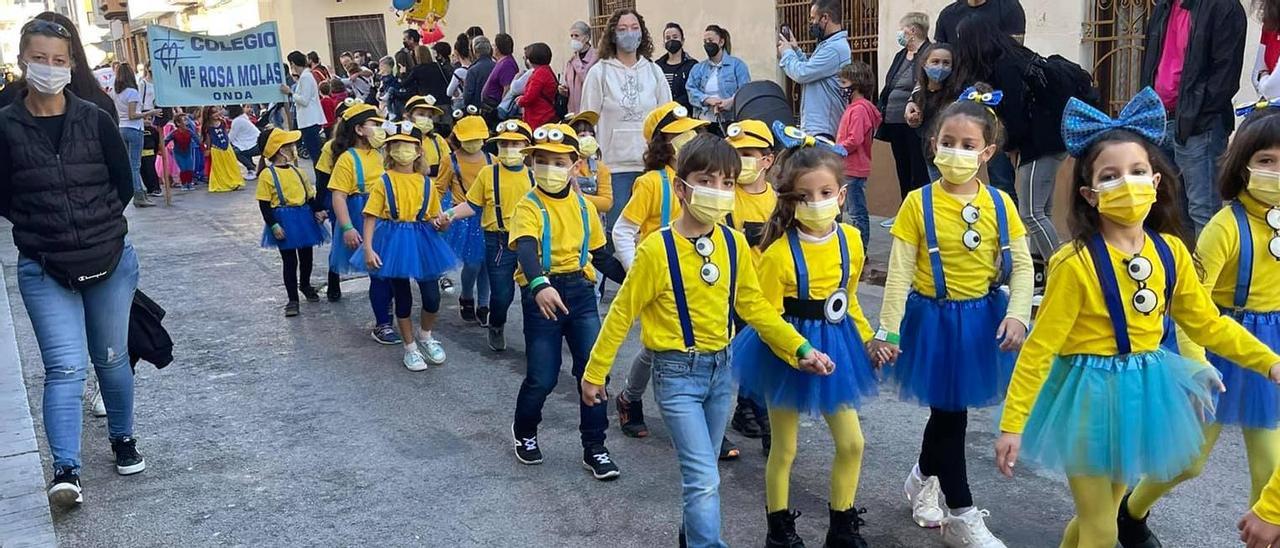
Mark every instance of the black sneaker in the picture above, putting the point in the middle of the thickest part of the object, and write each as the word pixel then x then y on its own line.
pixel 65 489
pixel 467 310
pixel 631 417
pixel 497 340
pixel 729 450
pixel 845 528
pixel 782 530
pixel 128 461
pixel 527 451
pixel 291 309
pixel 310 293
pixel 333 294
pixel 482 316
pixel 745 420
pixel 597 460
pixel 1134 532
pixel 385 335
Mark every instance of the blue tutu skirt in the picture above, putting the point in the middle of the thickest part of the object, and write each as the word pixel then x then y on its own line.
pixel 1251 399
pixel 766 378
pixel 409 250
pixel 950 357
pixel 339 253
pixel 1122 417
pixel 300 229
pixel 466 238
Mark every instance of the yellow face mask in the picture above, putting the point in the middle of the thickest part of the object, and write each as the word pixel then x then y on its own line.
pixel 818 216
pixel 551 179
pixel 376 136
pixel 709 205
pixel 473 146
pixel 679 141
pixel 588 146
pixel 957 166
pixel 750 170
pixel 510 155
pixel 403 153
pixel 424 123
pixel 1128 201
pixel 1265 186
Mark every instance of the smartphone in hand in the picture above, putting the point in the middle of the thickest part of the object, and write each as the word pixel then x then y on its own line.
pixel 784 32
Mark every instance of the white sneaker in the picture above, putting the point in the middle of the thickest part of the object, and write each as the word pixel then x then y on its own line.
pixel 447 288
pixel 969 530
pixel 887 223
pixel 99 408
pixel 433 350
pixel 413 360
pixel 923 496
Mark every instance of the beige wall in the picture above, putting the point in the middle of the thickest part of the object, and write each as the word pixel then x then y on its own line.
pixel 304 24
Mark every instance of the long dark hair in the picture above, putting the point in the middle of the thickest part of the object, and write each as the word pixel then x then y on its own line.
pixel 934 101
pixel 1268 11
pixel 976 57
pixel 609 50
pixel 659 154
pixel 1166 213
pixel 1261 130
pixel 792 164
pixel 345 137
pixel 723 34
pixel 125 79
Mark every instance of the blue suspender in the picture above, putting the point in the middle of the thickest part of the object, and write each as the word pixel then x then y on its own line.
pixel 802 270
pixel 931 240
pixel 359 167
pixel 497 196
pixel 436 144
pixel 546 232
pixel 677 282
pixel 1111 289
pixel 1244 277
pixel 426 198
pixel 666 197
pixel 391 197
pixel 1002 226
pixel 275 178
pixel 677 289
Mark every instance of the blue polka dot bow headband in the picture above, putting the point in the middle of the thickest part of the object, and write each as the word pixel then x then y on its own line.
pixel 1083 125
pixel 1261 104
pixel 990 98
pixel 794 137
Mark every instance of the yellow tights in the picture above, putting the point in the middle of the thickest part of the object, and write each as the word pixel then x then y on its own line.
pixel 1097 500
pixel 1261 445
pixel 846 432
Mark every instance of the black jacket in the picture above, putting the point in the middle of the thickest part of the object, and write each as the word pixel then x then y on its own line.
pixel 148 339
pixel 1214 61
pixel 898 59
pixel 61 200
pixel 425 79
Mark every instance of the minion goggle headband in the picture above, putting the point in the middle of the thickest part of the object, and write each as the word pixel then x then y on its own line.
pixel 736 129
pixel 554 136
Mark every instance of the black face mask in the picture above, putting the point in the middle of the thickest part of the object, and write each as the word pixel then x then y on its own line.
pixel 711 48
pixel 816 32
pixel 673 46
pixel 846 94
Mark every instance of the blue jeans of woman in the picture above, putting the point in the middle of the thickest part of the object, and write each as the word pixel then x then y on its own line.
pixel 133 140
pixel 695 394
pixel 73 329
pixel 622 183
pixel 501 264
pixel 855 207
pixel 578 329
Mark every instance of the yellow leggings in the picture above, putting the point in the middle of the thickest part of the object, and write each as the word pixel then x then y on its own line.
pixel 1097 500
pixel 846 432
pixel 1261 445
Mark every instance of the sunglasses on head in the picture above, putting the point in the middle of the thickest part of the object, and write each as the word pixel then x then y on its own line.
pixel 40 26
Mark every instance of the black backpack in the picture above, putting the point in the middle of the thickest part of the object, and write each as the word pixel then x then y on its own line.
pixel 1053 81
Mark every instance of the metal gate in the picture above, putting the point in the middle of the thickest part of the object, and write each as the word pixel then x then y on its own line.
pixel 602 9
pixel 861 18
pixel 1116 30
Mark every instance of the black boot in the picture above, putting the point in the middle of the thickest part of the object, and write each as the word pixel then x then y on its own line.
pixel 1134 532
pixel 782 530
pixel 745 420
pixel 843 531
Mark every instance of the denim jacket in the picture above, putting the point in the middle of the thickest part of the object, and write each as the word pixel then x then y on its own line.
pixel 733 75
pixel 820 102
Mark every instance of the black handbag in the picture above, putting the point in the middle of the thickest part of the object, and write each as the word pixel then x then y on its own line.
pixel 82 268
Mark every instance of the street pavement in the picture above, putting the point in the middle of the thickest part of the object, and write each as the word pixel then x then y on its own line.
pixel 268 431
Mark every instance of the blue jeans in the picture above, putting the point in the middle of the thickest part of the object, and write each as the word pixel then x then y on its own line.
pixel 622 183
pixel 74 328
pixel 695 393
pixel 1000 171
pixel 133 140
pixel 501 263
pixel 1198 161
pixel 855 207
pixel 475 283
pixel 313 139
pixel 542 338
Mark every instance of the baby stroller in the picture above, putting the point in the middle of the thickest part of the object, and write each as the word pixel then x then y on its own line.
pixel 763 100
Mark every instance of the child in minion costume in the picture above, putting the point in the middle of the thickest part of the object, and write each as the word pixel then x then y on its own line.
pixel 466 160
pixel 292 218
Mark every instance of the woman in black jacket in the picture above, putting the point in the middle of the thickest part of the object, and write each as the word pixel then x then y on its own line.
pixel 904 140
pixel 426 77
pixel 83 83
pixel 64 181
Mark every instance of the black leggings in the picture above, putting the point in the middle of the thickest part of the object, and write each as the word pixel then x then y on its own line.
pixel 430 290
pixel 295 259
pixel 942 455
pixel 908 156
pixel 150 179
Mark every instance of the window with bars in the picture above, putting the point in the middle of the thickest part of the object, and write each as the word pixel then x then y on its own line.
pixel 357 33
pixel 860 17
pixel 1116 30
pixel 602 9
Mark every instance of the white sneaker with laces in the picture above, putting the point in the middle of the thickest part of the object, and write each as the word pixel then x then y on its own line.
pixel 887 223
pixel 433 350
pixel 923 495
pixel 969 530
pixel 413 360
pixel 99 409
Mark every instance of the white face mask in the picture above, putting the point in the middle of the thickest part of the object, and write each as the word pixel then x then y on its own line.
pixel 576 45
pixel 47 79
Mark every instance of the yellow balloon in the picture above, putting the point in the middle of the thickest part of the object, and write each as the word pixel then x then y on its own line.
pixel 427 10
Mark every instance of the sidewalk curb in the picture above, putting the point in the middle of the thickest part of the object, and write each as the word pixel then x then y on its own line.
pixel 24 507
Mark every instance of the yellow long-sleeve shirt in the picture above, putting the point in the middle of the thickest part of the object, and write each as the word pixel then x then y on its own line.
pixel 567 232
pixel 1268 505
pixel 969 273
pixel 513 184
pixel 822 260
pixel 644 209
pixel 603 197
pixel 647 294
pixel 409 189
pixel 435 155
pixel 1074 319
pixel 1218 251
